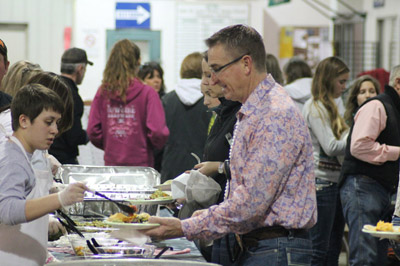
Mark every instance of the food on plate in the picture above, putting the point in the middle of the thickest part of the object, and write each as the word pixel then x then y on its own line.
pixel 382 226
pixel 159 194
pixel 135 218
pixel 95 223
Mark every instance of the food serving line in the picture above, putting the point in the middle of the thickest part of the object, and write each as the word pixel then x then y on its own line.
pixel 118 243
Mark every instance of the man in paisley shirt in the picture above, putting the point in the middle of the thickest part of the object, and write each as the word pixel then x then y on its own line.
pixel 270 199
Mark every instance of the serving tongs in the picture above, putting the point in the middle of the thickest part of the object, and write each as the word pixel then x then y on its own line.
pixel 123 207
pixel 71 225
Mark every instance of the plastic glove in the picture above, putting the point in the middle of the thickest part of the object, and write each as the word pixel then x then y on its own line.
pixel 54 163
pixel 73 193
pixel 55 226
pixel 57 187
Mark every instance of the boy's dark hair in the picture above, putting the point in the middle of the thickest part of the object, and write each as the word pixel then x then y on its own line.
pixel 55 83
pixel 31 100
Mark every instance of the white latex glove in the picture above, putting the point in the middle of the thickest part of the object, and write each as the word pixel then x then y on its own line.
pixel 73 193
pixel 54 163
pixel 55 226
pixel 57 187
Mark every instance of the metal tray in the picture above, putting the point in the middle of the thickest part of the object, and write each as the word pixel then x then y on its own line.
pixel 117 182
pixel 129 262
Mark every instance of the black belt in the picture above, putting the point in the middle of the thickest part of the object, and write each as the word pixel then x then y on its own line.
pixel 251 239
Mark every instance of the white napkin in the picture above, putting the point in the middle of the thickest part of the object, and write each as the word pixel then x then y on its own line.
pixel 202 189
pixel 131 235
pixel 178 186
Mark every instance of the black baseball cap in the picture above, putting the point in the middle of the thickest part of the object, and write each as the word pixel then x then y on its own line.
pixel 75 56
pixel 3 48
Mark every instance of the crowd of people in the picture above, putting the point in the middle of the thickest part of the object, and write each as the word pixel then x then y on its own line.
pixel 295 160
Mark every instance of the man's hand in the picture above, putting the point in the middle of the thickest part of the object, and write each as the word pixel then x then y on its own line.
pixel 207 168
pixel 169 228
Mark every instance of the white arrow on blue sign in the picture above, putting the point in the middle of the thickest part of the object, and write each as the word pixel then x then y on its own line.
pixel 132 15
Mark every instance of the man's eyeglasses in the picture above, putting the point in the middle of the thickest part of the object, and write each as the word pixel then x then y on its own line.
pixel 217 70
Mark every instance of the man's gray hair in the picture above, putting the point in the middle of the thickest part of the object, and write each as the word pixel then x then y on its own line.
pixel 394 73
pixel 241 40
pixel 68 68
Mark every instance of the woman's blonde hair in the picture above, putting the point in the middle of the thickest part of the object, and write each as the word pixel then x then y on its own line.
pixel 18 75
pixel 191 66
pixel 322 90
pixel 121 68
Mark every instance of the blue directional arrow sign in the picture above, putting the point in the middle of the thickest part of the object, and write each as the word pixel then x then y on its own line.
pixel 132 15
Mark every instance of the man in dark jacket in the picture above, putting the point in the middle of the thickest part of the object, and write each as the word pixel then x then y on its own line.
pixel 5 99
pixel 73 68
pixel 370 171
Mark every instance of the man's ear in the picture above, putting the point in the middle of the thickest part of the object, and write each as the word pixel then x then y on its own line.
pixel 248 63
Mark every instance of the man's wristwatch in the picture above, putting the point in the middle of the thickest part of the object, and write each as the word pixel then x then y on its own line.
pixel 221 168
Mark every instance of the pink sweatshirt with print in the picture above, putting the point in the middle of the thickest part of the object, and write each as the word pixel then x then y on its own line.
pixel 128 132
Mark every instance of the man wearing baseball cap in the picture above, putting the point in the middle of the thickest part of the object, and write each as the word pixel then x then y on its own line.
pixel 5 99
pixel 73 68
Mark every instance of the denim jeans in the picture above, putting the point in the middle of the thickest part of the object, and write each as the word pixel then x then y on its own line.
pixel 365 201
pixel 394 243
pixel 327 233
pixel 272 252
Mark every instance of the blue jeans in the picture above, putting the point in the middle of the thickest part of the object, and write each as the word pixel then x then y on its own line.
pixel 365 201
pixel 272 252
pixel 327 233
pixel 396 244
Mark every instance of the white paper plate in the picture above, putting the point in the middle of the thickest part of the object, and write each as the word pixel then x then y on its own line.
pixel 370 229
pixel 136 226
pixel 165 200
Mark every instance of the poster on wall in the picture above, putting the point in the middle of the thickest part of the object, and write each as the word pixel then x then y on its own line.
pixel 308 43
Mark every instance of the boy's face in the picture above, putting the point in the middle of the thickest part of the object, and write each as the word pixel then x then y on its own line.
pixel 41 133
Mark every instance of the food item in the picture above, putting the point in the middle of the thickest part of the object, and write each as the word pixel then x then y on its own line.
pixel 135 218
pixel 95 223
pixel 382 226
pixel 159 194
pixel 79 250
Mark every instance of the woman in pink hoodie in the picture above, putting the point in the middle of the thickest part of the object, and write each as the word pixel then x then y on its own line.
pixel 126 118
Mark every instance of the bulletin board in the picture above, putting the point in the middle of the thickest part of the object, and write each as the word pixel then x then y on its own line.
pixel 197 22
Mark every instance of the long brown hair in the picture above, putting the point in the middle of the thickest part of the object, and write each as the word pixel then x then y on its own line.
pixel 121 67
pixel 322 90
pixel 351 104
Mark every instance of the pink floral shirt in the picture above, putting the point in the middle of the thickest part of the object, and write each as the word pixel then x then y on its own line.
pixel 272 170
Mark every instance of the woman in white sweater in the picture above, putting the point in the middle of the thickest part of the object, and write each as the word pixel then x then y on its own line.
pixel 328 132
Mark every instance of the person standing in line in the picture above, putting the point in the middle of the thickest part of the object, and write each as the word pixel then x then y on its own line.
pixel 126 119
pixel 5 99
pixel 328 133
pixel 187 119
pixel 152 74
pixel 73 68
pixel 270 198
pixel 363 88
pixel 298 76
pixel 273 68
pixel 370 171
